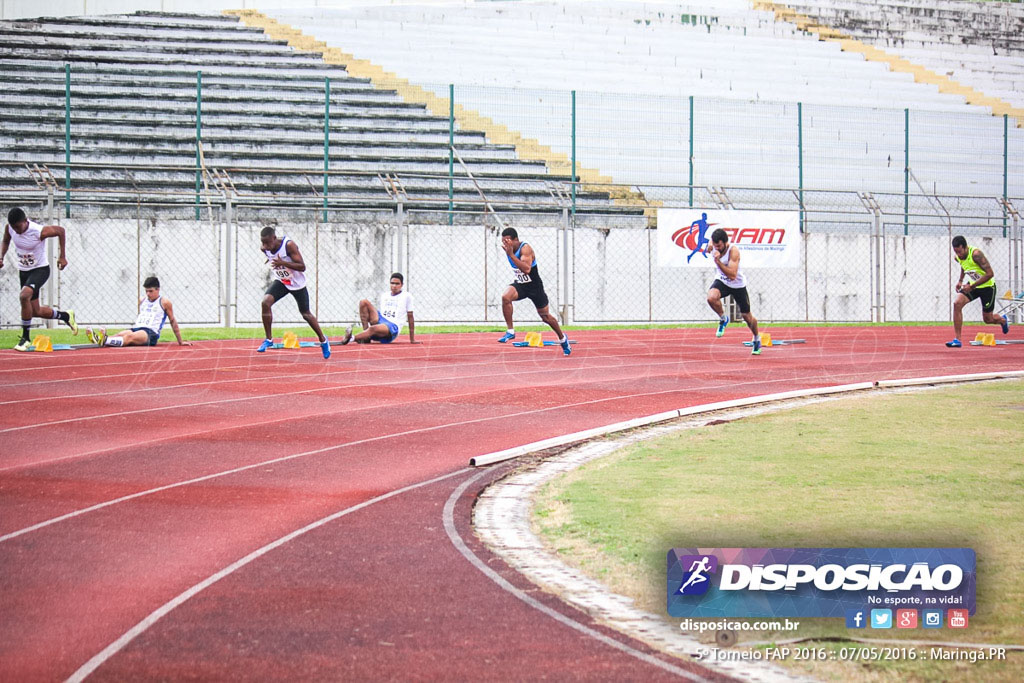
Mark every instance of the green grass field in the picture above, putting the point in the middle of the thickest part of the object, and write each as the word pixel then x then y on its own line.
pixel 933 468
pixel 62 335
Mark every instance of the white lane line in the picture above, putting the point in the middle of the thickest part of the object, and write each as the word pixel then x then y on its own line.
pixel 503 583
pixel 203 353
pixel 489 360
pixel 162 611
pixel 318 389
pixel 517 451
pixel 132 496
pixel 332 387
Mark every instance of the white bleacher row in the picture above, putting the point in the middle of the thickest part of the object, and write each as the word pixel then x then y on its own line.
pixel 980 44
pixel 632 79
pixel 661 58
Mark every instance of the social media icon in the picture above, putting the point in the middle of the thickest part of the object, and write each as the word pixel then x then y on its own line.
pixel 957 618
pixel 906 618
pixel 881 618
pixel 856 618
pixel 931 618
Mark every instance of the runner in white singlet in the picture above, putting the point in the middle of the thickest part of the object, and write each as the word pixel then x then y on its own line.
pixel 384 324
pixel 730 282
pixel 154 312
pixel 33 270
pixel 289 273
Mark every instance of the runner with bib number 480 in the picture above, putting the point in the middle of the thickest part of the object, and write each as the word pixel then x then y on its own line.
pixel 27 237
pixel 289 273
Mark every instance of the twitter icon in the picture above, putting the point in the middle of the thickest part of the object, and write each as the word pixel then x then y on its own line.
pixel 881 618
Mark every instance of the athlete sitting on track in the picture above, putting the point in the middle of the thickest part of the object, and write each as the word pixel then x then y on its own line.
pixel 154 311
pixel 980 285
pixel 384 324
pixel 34 270
pixel 289 272
pixel 528 285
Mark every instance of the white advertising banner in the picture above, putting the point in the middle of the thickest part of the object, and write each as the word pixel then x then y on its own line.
pixel 766 239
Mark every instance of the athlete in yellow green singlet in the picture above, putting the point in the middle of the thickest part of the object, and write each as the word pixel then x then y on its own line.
pixel 980 284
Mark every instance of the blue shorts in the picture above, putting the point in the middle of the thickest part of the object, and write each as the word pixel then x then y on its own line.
pixel 153 336
pixel 393 328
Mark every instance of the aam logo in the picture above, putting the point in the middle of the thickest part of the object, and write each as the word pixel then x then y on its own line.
pixel 692 238
pixel 756 235
pixel 697 573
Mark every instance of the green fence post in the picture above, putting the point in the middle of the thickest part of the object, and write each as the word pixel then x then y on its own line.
pixel 906 171
pixel 573 186
pixel 451 153
pixel 1006 156
pixel 199 135
pixel 327 138
pixel 67 140
pixel 800 156
pixel 691 151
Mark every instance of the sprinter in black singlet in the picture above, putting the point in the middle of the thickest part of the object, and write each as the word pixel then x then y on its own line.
pixel 527 285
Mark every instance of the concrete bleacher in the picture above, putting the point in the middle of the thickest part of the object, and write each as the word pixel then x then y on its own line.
pixel 980 44
pixel 134 108
pixel 635 65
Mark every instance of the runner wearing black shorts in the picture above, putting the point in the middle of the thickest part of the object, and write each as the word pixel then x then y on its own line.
pixel 289 273
pixel 730 282
pixel 28 239
pixel 527 285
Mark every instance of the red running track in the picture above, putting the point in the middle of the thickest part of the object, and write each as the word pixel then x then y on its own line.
pixel 150 498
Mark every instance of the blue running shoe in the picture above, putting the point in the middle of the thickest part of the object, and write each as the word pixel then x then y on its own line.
pixel 325 346
pixel 721 326
pixel 506 338
pixel 955 344
pixel 757 348
pixel 267 343
pixel 1006 325
pixel 566 349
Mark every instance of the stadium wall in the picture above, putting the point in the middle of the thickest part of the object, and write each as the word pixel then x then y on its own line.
pixel 215 272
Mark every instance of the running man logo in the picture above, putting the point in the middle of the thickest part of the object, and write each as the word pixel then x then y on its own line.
pixel 696 580
pixel 695 237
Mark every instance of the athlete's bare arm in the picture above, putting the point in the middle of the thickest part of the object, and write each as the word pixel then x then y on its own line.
pixel 169 309
pixel 524 259
pixel 980 259
pixel 412 328
pixel 295 261
pixel 733 267
pixel 58 232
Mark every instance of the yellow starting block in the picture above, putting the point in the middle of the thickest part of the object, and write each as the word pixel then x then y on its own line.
pixel 533 339
pixel 985 339
pixel 291 340
pixel 44 343
pixel 766 339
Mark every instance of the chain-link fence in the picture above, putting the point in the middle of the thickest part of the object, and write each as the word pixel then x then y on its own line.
pixel 863 256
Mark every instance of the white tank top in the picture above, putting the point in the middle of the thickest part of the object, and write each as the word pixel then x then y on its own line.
pixel 292 279
pixel 152 314
pixel 29 247
pixel 736 283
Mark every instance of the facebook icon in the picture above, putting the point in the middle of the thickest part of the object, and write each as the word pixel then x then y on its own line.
pixel 855 618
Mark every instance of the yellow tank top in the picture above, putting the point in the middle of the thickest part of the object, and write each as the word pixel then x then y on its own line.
pixel 972 270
